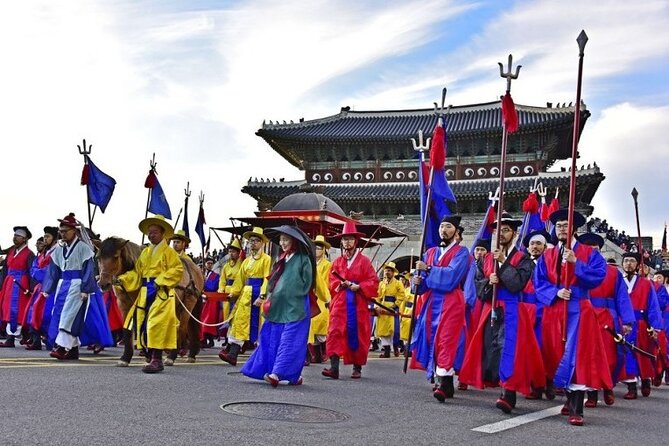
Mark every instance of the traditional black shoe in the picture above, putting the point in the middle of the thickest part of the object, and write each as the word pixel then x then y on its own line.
pixel 9 343
pixel 503 405
pixel 72 354
pixel 333 374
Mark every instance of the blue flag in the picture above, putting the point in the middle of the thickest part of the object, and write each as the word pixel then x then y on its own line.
pixel 199 226
pixel 158 204
pixel 100 186
pixel 442 198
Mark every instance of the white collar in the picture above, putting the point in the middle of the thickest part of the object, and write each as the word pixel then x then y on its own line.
pixel 630 283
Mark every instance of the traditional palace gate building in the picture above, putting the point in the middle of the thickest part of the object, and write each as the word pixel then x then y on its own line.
pixel 365 161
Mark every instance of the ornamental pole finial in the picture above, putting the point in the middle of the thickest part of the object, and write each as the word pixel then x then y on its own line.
pixel 509 74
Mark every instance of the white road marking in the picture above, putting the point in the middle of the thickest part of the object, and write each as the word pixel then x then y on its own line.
pixel 503 425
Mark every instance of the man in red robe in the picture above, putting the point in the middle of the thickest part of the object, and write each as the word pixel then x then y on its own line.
pixel 612 305
pixel 353 286
pixel 441 325
pixel 571 339
pixel 15 291
pixel 644 334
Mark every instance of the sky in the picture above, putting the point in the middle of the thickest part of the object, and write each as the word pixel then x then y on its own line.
pixel 193 81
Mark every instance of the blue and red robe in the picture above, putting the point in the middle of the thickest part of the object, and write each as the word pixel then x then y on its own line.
pixel 508 353
pixel 212 310
pixel 662 340
pixel 38 312
pixel 648 314
pixel 535 307
pixel 441 322
pixel 580 359
pixel 13 297
pixel 613 308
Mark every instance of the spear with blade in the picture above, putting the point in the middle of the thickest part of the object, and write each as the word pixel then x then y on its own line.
pixel 581 40
pixel 509 125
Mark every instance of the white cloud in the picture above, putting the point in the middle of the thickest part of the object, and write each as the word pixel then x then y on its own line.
pixel 629 145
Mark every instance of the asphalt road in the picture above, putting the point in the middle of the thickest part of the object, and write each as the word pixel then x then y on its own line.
pixel 90 402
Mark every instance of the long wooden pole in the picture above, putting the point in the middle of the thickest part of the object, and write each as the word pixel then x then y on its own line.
pixel 581 40
pixel 502 176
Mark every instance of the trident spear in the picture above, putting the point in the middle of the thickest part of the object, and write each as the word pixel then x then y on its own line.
pixel 85 151
pixel 507 127
pixel 581 40
pixel 421 148
pixel 153 164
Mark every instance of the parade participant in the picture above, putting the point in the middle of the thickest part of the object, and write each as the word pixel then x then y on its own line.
pixel 228 274
pixel 319 324
pixel 212 310
pixel 579 362
pixel 78 316
pixel 406 308
pixel 15 291
pixel 38 314
pixel 503 350
pixel 612 305
pixel 283 337
pixel 157 271
pixel 249 291
pixel 353 284
pixel 441 321
pixel 390 294
pixel 644 333
pixel 180 242
pixel 661 279
pixel 536 243
pixel 481 248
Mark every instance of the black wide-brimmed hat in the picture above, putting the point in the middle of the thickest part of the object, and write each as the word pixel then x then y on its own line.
pixel 453 219
pixel 537 232
pixel 507 219
pixel 592 239
pixel 23 231
pixel 562 215
pixel 633 255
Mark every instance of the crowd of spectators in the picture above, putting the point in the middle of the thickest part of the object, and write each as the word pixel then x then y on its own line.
pixel 625 242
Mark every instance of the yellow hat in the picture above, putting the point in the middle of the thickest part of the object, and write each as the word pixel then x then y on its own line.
pixel 406 275
pixel 256 232
pixel 392 266
pixel 157 220
pixel 320 241
pixel 180 235
pixel 235 244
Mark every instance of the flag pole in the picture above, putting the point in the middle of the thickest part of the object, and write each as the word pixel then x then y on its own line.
pixel 581 40
pixel 509 76
pixel 421 148
pixel 85 151
pixel 153 164
pixel 198 217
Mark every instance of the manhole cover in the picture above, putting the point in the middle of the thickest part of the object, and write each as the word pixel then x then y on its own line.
pixel 298 413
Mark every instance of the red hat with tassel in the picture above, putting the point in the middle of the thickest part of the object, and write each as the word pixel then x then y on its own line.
pixel 351 230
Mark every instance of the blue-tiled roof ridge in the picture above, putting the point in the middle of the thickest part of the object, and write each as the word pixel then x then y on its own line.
pixel 401 124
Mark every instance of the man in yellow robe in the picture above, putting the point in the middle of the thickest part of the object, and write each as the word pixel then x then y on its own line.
pixel 391 295
pixel 319 324
pixel 229 273
pixel 248 293
pixel 406 307
pixel 157 271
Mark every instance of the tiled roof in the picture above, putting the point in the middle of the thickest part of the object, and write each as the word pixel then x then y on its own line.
pixel 404 124
pixel 463 189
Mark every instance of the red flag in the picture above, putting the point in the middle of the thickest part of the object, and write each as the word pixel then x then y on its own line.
pixel 438 146
pixel 531 204
pixel 509 114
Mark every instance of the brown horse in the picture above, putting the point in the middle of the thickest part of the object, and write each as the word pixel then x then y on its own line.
pixel 117 256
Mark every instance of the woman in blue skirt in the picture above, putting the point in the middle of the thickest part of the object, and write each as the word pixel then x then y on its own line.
pixel 283 337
